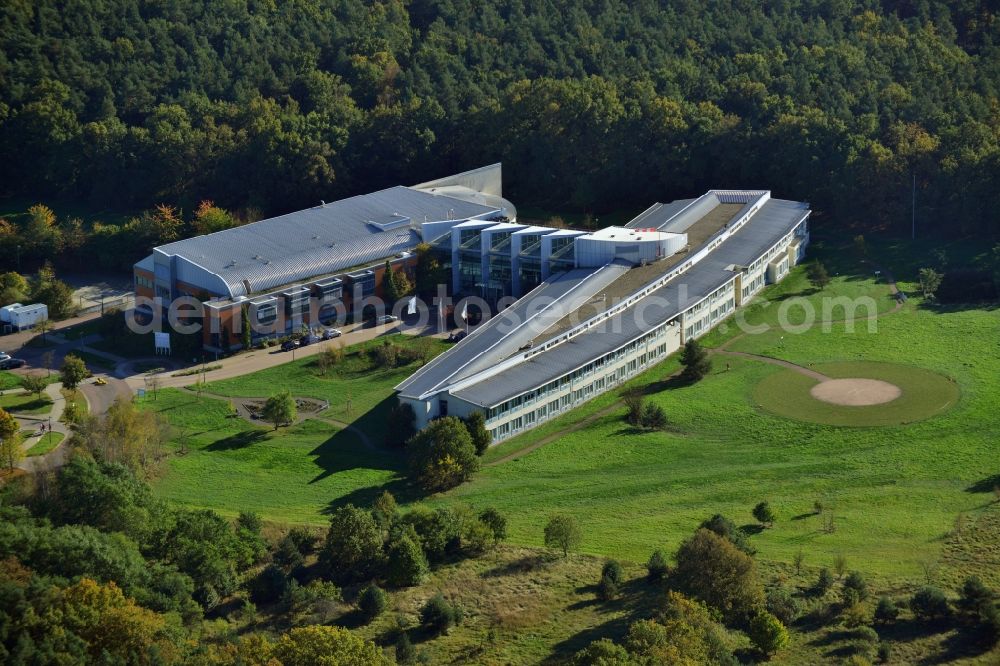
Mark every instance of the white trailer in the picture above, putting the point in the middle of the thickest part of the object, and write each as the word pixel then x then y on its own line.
pixel 28 316
pixel 5 312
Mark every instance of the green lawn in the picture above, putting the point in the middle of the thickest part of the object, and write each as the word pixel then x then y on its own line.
pixel 894 491
pixel 357 391
pixel 48 442
pixel 291 475
pixel 9 380
pixel 26 403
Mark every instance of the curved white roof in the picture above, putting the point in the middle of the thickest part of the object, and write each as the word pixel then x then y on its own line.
pixel 316 241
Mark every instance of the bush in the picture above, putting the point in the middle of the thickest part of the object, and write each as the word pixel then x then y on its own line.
pixel 855 588
pixel 657 567
pixel 481 437
pixel 612 570
pixel 764 513
pixel 269 586
pixel 476 537
pixel 438 615
pixel 976 599
pixel 768 633
pixel 372 601
pixel 930 603
pixel 824 581
pixel 634 405
pixel 782 605
pixel 884 653
pixel 886 611
pixel 407 565
pixel 497 523
pixel 603 652
pixel 607 589
pixel 855 615
pixel 653 417
pixel 727 529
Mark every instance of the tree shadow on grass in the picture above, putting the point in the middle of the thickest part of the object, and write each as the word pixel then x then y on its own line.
pixel 750 529
pixel 238 441
pixel 986 485
pixel 637 600
pixel 519 566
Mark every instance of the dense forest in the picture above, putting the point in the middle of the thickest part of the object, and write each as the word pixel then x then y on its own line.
pixel 591 105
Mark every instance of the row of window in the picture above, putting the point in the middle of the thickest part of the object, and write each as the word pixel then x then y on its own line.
pixel 140 281
pixel 579 395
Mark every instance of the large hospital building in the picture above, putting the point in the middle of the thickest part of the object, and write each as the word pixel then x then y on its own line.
pixel 582 311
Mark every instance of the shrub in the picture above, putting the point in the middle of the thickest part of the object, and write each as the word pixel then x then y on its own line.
pixel 497 523
pixel 612 570
pixel 824 581
pixel 372 601
pixel 855 588
pixel 768 633
pixel 976 599
pixel 884 653
pixel 782 605
pixel 727 529
pixel 603 652
pixel 634 405
pixel 764 514
pixel 438 615
pixel 476 537
pixel 653 417
pixel 886 611
pixel 607 589
pixel 269 586
pixel 405 652
pixel 481 437
pixel 657 567
pixel 407 565
pixel 930 603
pixel 855 615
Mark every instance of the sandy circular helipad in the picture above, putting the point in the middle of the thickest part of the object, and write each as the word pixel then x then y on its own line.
pixel 855 392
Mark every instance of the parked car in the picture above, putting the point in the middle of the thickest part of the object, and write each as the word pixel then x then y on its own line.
pixel 456 336
pixel 101 381
pixel 307 340
pixel 331 333
pixel 11 363
pixel 386 319
pixel 289 345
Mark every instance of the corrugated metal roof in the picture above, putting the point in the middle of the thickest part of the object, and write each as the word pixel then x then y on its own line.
pixel 506 333
pixel 319 240
pixel 775 219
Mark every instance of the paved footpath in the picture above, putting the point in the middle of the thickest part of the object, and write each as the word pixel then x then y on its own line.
pixel 56 456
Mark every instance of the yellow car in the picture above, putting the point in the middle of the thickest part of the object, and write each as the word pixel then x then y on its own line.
pixel 100 381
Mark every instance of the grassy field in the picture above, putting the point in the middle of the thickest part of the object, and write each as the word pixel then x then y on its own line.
pixel 26 403
pixel 356 390
pixel 292 475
